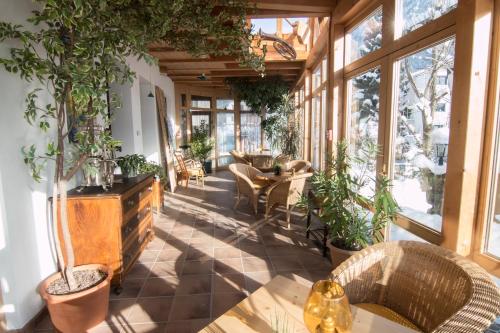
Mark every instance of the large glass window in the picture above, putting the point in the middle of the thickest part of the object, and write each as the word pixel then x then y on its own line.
pixel 316 78
pixel 363 93
pixel 364 38
pixel 422 132
pixel 316 128
pixel 415 13
pixel 250 132
pixel 492 244
pixel 197 118
pixel 225 137
pixel 201 102
pixel 225 104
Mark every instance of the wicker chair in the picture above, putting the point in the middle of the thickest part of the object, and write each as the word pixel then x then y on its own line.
pixel 239 157
pixel 286 192
pixel 298 166
pixel 434 288
pixel 186 169
pixel 250 182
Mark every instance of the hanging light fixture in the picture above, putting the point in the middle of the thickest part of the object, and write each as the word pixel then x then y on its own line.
pixel 150 95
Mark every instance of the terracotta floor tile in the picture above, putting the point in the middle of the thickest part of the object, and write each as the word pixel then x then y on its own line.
pixel 156 244
pixel 105 329
pixel 148 310
pixel 227 252
pixel 301 276
pixel 255 264
pixel 188 326
pixel 118 311
pixel 286 263
pixel 280 250
pixel 253 251
pixel 130 289
pixel 139 270
pixel 255 280
pixel 160 287
pixel 191 307
pixel 194 284
pixel 199 253
pixel 145 328
pixel 203 232
pixel 171 254
pixel 229 283
pixel 166 268
pixel 314 262
pixel 221 303
pixel 228 266
pixel 200 267
pixel 148 256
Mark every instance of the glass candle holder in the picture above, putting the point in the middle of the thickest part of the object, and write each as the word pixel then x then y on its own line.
pixel 327 309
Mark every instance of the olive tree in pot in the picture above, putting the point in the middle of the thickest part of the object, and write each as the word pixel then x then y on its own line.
pixel 75 49
pixel 202 145
pixel 354 221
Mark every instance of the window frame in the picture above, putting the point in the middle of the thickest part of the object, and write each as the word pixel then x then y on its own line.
pixel 491 136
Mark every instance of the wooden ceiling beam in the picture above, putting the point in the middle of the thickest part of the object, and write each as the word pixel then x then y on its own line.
pixel 322 6
pixel 270 13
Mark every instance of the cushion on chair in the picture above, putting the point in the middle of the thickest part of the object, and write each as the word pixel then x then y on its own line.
pixel 388 314
pixel 260 183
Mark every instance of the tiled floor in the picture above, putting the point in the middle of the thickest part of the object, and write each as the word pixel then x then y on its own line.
pixel 206 257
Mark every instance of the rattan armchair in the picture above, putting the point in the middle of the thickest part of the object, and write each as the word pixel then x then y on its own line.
pixel 286 192
pixel 434 288
pixel 298 166
pixel 239 157
pixel 250 182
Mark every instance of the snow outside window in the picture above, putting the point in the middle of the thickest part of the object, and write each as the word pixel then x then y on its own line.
pixel 422 133
pixel 364 38
pixel 412 14
pixel 363 109
pixel 250 132
pixel 225 136
pixel 492 245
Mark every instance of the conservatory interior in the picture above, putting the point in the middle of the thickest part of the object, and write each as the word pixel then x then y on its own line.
pixel 276 166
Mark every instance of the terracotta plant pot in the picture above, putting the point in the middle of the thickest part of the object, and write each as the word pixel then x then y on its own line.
pixel 80 311
pixel 337 255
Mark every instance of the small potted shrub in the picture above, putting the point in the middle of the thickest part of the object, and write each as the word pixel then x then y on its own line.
pixel 354 221
pixel 131 165
pixel 202 145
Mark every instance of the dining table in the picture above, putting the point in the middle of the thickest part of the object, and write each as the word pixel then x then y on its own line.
pixel 283 299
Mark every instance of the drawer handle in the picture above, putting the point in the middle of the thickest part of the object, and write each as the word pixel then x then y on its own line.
pixel 150 189
pixel 130 203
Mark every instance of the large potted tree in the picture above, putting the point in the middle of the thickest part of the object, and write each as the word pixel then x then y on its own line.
pixel 74 50
pixel 202 145
pixel 354 221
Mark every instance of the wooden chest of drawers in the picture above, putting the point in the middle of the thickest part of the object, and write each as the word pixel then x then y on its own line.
pixel 112 227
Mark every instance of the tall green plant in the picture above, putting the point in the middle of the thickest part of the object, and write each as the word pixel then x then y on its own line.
pixel 354 221
pixel 282 129
pixel 78 48
pixel 201 143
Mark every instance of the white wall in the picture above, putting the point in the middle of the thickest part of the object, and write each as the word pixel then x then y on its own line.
pixel 26 257
pixel 149 120
pixel 25 252
pixel 128 124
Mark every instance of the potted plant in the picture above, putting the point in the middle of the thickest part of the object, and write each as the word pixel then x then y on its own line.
pixel 131 164
pixel 202 145
pixel 75 51
pixel 354 221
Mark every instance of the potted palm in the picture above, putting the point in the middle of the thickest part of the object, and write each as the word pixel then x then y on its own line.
pixel 202 145
pixel 131 165
pixel 75 50
pixel 354 220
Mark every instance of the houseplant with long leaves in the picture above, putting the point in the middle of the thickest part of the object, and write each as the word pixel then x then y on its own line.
pixel 202 145
pixel 353 220
pixel 75 49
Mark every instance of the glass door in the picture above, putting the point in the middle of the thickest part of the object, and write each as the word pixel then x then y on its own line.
pixel 225 137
